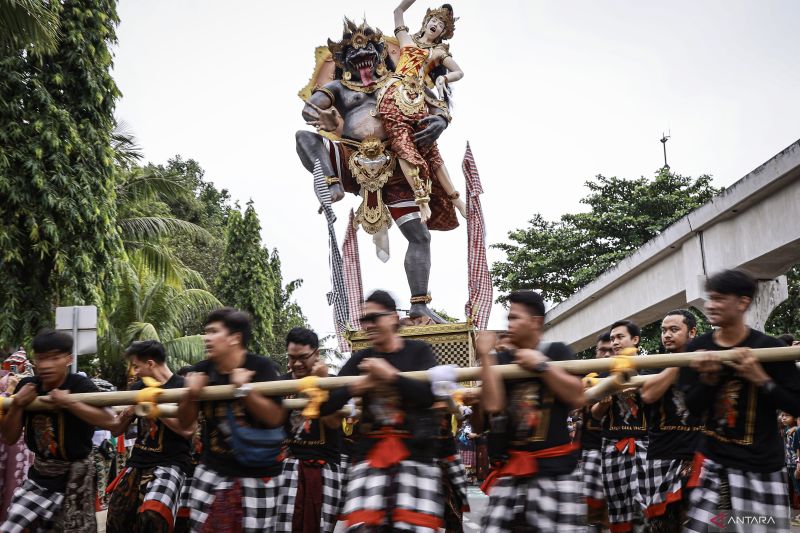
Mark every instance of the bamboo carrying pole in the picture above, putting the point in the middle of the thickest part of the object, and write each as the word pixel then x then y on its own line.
pixel 287 387
pixel 613 384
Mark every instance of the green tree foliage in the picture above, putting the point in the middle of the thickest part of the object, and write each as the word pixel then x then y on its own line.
pixel 558 258
pixel 287 314
pixel 245 279
pixel 151 308
pixel 31 25
pixel 58 235
pixel 786 317
pixel 206 207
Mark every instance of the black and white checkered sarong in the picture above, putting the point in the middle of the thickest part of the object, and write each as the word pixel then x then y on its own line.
pixel 183 498
pixel 754 493
pixel 165 488
pixel 331 496
pixel 546 503
pixel 591 468
pixel 31 502
pixel 259 499
pixel 410 486
pixel 457 477
pixel 664 484
pixel 624 483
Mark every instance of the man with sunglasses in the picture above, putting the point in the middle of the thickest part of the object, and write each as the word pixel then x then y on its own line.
pixel 311 492
pixel 59 490
pixel 394 481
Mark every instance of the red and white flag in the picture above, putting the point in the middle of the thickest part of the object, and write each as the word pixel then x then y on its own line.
pixel 479 305
pixel 352 273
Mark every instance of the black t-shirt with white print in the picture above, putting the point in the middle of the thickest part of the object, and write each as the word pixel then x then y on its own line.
pixel 311 439
pixel 591 431
pixel 536 419
pixel 626 417
pixel 59 434
pixel 217 453
pixel 402 406
pixel 741 425
pixel 674 431
pixel 156 444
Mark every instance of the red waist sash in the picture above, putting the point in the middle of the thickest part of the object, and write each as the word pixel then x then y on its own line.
pixel 521 463
pixel 389 450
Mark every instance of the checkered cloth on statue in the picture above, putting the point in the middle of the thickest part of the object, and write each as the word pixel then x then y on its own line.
pixel 741 447
pixel 393 477
pixel 538 485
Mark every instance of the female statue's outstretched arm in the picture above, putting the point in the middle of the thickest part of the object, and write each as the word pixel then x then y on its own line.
pixel 401 30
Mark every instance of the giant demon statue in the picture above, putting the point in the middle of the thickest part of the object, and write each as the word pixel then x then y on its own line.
pixel 360 161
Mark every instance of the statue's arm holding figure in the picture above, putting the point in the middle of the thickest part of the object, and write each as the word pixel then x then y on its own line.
pixel 320 112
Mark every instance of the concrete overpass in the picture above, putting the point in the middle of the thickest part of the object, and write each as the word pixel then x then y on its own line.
pixel 754 225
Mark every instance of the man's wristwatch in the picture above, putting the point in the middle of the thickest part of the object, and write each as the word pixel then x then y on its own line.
pixel 541 367
pixel 242 391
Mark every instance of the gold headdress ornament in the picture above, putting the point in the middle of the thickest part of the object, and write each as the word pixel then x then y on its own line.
pixel 355 36
pixel 445 14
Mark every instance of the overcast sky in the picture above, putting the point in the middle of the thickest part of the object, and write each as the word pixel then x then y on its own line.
pixel 554 93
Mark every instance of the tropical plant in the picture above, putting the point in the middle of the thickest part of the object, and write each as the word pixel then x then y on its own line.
pixel 245 279
pixel 151 308
pixel 58 232
pixel 558 258
pixel 30 25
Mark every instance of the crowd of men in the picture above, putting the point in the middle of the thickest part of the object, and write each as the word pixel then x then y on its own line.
pixel 692 446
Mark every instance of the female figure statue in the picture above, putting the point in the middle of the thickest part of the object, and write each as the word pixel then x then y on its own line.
pixel 403 103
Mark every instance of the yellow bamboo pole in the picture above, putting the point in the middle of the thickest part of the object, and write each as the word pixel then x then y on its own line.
pixel 286 387
pixel 613 384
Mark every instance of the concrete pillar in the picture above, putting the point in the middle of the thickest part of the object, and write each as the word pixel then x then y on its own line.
pixel 769 295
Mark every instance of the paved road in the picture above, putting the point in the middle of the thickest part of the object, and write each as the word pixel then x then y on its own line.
pixel 477 504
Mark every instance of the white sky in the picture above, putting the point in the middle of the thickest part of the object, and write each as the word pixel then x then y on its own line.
pixel 555 92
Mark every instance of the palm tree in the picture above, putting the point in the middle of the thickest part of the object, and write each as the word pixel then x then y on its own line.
pixel 150 308
pixel 160 298
pixel 29 24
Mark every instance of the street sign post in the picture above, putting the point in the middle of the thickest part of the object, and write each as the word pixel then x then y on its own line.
pixel 81 322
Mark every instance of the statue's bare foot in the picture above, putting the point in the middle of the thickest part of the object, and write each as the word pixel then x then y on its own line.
pixel 419 310
pixel 337 192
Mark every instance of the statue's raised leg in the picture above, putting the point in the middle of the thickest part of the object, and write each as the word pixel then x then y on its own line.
pixel 418 266
pixel 310 147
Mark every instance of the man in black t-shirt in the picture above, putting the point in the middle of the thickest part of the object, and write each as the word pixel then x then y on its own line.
pixel 144 497
pixel 59 490
pixel 394 478
pixel 310 494
pixel 234 485
pixel 740 465
pixel 625 424
pixel 591 454
pixel 674 432
pixel 538 487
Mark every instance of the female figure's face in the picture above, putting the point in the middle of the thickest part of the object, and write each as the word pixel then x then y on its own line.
pixel 433 28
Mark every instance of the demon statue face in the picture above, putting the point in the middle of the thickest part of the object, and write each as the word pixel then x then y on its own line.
pixel 361 55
